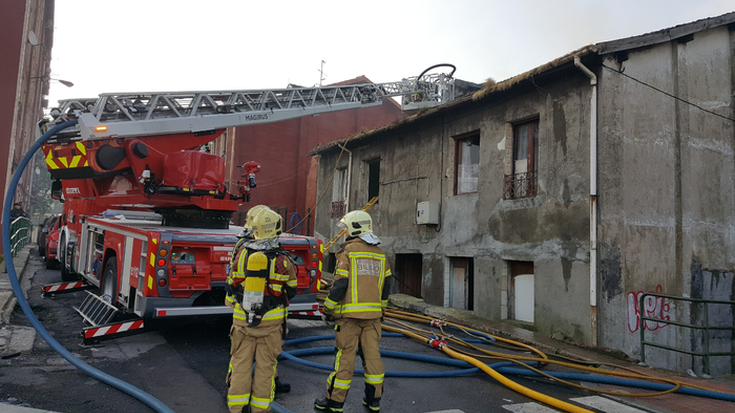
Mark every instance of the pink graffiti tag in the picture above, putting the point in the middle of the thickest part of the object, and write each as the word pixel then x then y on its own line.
pixel 655 307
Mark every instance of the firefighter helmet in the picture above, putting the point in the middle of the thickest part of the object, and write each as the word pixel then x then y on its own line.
pixel 266 224
pixel 247 230
pixel 357 223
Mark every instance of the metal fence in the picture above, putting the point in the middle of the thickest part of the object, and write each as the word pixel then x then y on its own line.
pixel 20 234
pixel 704 326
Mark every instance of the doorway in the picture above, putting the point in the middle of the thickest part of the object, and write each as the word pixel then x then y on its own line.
pixel 408 274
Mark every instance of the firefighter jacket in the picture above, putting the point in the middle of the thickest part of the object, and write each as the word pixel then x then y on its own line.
pixel 279 288
pixel 362 281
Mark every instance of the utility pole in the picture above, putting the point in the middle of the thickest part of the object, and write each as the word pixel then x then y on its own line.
pixel 321 73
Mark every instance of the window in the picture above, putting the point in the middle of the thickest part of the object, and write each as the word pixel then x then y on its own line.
pixel 467 164
pixel 339 193
pixel 373 178
pixel 522 181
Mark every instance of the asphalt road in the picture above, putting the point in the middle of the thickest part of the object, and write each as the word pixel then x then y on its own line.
pixel 184 366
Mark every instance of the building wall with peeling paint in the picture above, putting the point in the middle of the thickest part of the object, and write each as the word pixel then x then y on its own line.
pixel 667 185
pixel 551 230
pixel 665 199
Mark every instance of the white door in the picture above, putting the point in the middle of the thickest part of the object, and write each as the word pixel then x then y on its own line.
pixel 523 305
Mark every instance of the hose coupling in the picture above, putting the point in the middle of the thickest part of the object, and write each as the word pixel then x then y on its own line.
pixel 438 323
pixel 437 343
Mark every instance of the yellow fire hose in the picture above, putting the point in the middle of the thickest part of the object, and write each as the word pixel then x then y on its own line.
pixel 393 316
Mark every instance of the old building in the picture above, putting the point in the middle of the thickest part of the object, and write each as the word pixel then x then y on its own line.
pixel 554 199
pixel 26 28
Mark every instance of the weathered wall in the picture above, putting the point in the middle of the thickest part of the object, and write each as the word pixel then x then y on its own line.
pixel 551 230
pixel 666 186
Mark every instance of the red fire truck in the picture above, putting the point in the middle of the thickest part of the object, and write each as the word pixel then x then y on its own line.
pixel 147 215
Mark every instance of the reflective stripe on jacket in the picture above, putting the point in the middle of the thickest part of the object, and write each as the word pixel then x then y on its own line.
pixel 359 280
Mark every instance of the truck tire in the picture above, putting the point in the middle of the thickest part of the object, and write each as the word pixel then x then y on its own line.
pixel 108 288
pixel 51 264
pixel 66 275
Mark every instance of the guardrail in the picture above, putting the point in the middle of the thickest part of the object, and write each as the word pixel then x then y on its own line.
pixel 20 234
pixel 706 354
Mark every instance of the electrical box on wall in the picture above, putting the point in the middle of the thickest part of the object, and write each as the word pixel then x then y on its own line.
pixel 427 213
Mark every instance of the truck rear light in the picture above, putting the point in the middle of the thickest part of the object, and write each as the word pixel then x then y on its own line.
pixel 162 282
pixel 161 262
pixel 162 253
pixel 313 264
pixel 313 256
pixel 161 272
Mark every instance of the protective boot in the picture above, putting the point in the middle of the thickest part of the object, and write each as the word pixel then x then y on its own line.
pixel 282 387
pixel 372 405
pixel 371 402
pixel 328 405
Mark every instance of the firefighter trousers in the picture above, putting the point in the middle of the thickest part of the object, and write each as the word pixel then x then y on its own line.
pixel 351 335
pixel 247 385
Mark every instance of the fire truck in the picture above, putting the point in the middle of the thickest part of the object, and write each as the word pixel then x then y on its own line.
pixel 146 216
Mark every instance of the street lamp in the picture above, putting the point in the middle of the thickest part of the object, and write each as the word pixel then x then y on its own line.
pixel 49 78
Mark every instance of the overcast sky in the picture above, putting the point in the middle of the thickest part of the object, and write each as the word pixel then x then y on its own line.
pixel 183 45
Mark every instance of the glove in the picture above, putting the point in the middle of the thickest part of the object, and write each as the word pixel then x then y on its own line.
pixel 327 316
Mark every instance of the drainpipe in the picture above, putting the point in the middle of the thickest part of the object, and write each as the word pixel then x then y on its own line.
pixel 593 198
pixel 349 177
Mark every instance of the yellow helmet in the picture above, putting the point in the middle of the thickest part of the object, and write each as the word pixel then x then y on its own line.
pixel 252 212
pixel 247 230
pixel 357 223
pixel 266 224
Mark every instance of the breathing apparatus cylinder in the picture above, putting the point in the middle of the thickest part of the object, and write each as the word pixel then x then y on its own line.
pixel 254 287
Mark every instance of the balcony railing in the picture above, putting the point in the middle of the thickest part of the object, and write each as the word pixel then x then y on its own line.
pixel 521 185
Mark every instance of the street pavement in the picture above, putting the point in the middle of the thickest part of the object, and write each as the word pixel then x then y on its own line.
pixel 15 340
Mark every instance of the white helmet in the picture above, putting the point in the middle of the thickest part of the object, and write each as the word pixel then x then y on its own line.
pixel 358 223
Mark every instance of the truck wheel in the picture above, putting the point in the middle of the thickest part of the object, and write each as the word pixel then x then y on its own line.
pixel 66 275
pixel 108 289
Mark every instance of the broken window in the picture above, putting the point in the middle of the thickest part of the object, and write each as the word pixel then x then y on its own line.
pixel 467 165
pixel 373 179
pixel 522 182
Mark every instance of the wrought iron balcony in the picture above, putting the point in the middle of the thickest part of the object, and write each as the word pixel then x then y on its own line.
pixel 522 185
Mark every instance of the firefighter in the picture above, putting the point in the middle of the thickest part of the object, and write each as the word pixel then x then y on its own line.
pixel 243 236
pixel 261 282
pixel 356 301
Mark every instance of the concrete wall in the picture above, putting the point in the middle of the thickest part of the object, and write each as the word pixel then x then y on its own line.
pixel 551 229
pixel 667 185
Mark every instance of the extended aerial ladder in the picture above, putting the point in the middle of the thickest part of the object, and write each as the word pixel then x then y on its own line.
pixel 131 141
pixel 122 115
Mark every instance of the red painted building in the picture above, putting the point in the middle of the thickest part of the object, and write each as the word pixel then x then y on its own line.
pixel 287 180
pixel 26 30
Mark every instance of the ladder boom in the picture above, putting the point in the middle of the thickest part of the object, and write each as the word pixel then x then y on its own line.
pixel 159 113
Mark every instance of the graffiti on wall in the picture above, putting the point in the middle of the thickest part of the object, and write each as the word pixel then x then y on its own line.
pixel 655 307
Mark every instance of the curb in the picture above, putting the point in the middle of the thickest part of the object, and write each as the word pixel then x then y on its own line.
pixel 7 297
